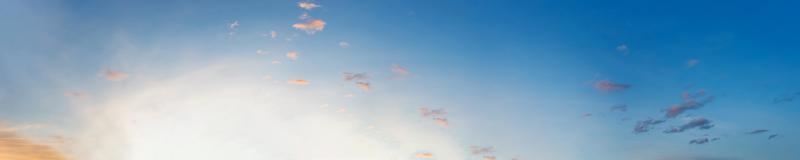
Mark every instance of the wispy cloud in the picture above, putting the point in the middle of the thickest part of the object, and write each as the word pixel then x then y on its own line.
pixel 349 76
pixel 299 82
pixel 310 26
pixel 758 131
pixel 606 85
pixel 400 70
pixel 112 75
pixel 232 27
pixel 619 108
pixel 363 86
pixel 478 150
pixel 308 5
pixel 623 48
pixel 692 62
pixel 344 44
pixel 427 112
pixel 703 140
pixel 700 123
pixel 645 125
pixel 426 155
pixel 690 101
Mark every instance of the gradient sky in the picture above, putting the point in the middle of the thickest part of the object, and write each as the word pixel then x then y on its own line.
pixel 175 80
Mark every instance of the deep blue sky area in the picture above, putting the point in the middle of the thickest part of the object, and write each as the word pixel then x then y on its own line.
pixel 530 79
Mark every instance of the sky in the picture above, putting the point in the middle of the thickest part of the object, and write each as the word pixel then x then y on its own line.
pixel 399 80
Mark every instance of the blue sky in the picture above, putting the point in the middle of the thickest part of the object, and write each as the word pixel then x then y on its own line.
pixel 522 77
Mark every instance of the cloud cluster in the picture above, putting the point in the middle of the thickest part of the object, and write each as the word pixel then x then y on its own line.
pixel 645 125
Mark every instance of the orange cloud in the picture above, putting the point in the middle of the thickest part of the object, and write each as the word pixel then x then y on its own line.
pixel 292 55
pixel 299 82
pixel 114 75
pixel 16 147
pixel 311 26
pixel 363 85
pixel 424 155
pixel 308 5
pixel 441 122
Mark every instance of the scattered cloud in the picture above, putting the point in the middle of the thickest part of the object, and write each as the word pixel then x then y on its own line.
pixel 344 44
pixel 112 75
pixel 606 85
pixel 400 70
pixel 623 48
pixel 311 26
pixel 645 125
pixel 348 76
pixel 690 101
pixel 700 123
pixel 363 86
pixel 292 55
pixel 619 108
pixel 478 150
pixel 692 62
pixel 426 155
pixel 299 82
pixel 758 131
pixel 308 5
pixel 427 112
pixel 232 27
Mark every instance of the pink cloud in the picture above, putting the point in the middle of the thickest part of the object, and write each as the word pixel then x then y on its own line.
pixel 311 26
pixel 292 55
pixel 114 75
pixel 299 82
pixel 606 85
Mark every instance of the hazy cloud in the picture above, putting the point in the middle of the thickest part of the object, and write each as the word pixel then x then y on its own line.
pixel 700 123
pixel 292 55
pixel 112 75
pixel 758 131
pixel 623 48
pixel 691 63
pixel 645 125
pixel 363 86
pixel 17 147
pixel 400 70
pixel 344 44
pixel 478 150
pixel 299 82
pixel 426 155
pixel 619 108
pixel 348 76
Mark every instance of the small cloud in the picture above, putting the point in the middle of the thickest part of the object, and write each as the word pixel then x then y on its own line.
pixel 619 108
pixel 773 136
pixel 308 5
pixel 266 77
pixel 112 75
pixel 261 52
pixel 232 27
pixel 363 86
pixel 489 158
pixel 703 140
pixel 700 123
pixel 344 44
pixel 692 62
pixel 299 82
pixel 645 125
pixel 478 150
pixel 292 55
pixel 400 70
pixel 311 26
pixel 758 131
pixel 347 76
pixel 441 122
pixel 623 48
pixel 690 101
pixel 427 112
pixel 606 85
pixel 586 115
pixel 275 62
pixel 76 94
pixel 426 155
pixel 304 16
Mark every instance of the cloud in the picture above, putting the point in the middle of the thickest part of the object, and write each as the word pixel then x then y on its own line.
pixel 112 75
pixel 273 34
pixel 619 108
pixel 700 123
pixel 489 158
pixel 758 131
pixel 363 86
pixel 232 27
pixel 292 55
pixel 344 44
pixel 17 147
pixel 443 122
pixel 308 5
pixel 311 26
pixel 606 85
pixel 400 70
pixel 426 155
pixel 304 16
pixel 623 48
pixel 299 82
pixel 347 76
pixel 478 150
pixel 691 101
pixel 427 112
pixel 692 62
pixel 773 136
pixel 645 125
pixel 702 140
